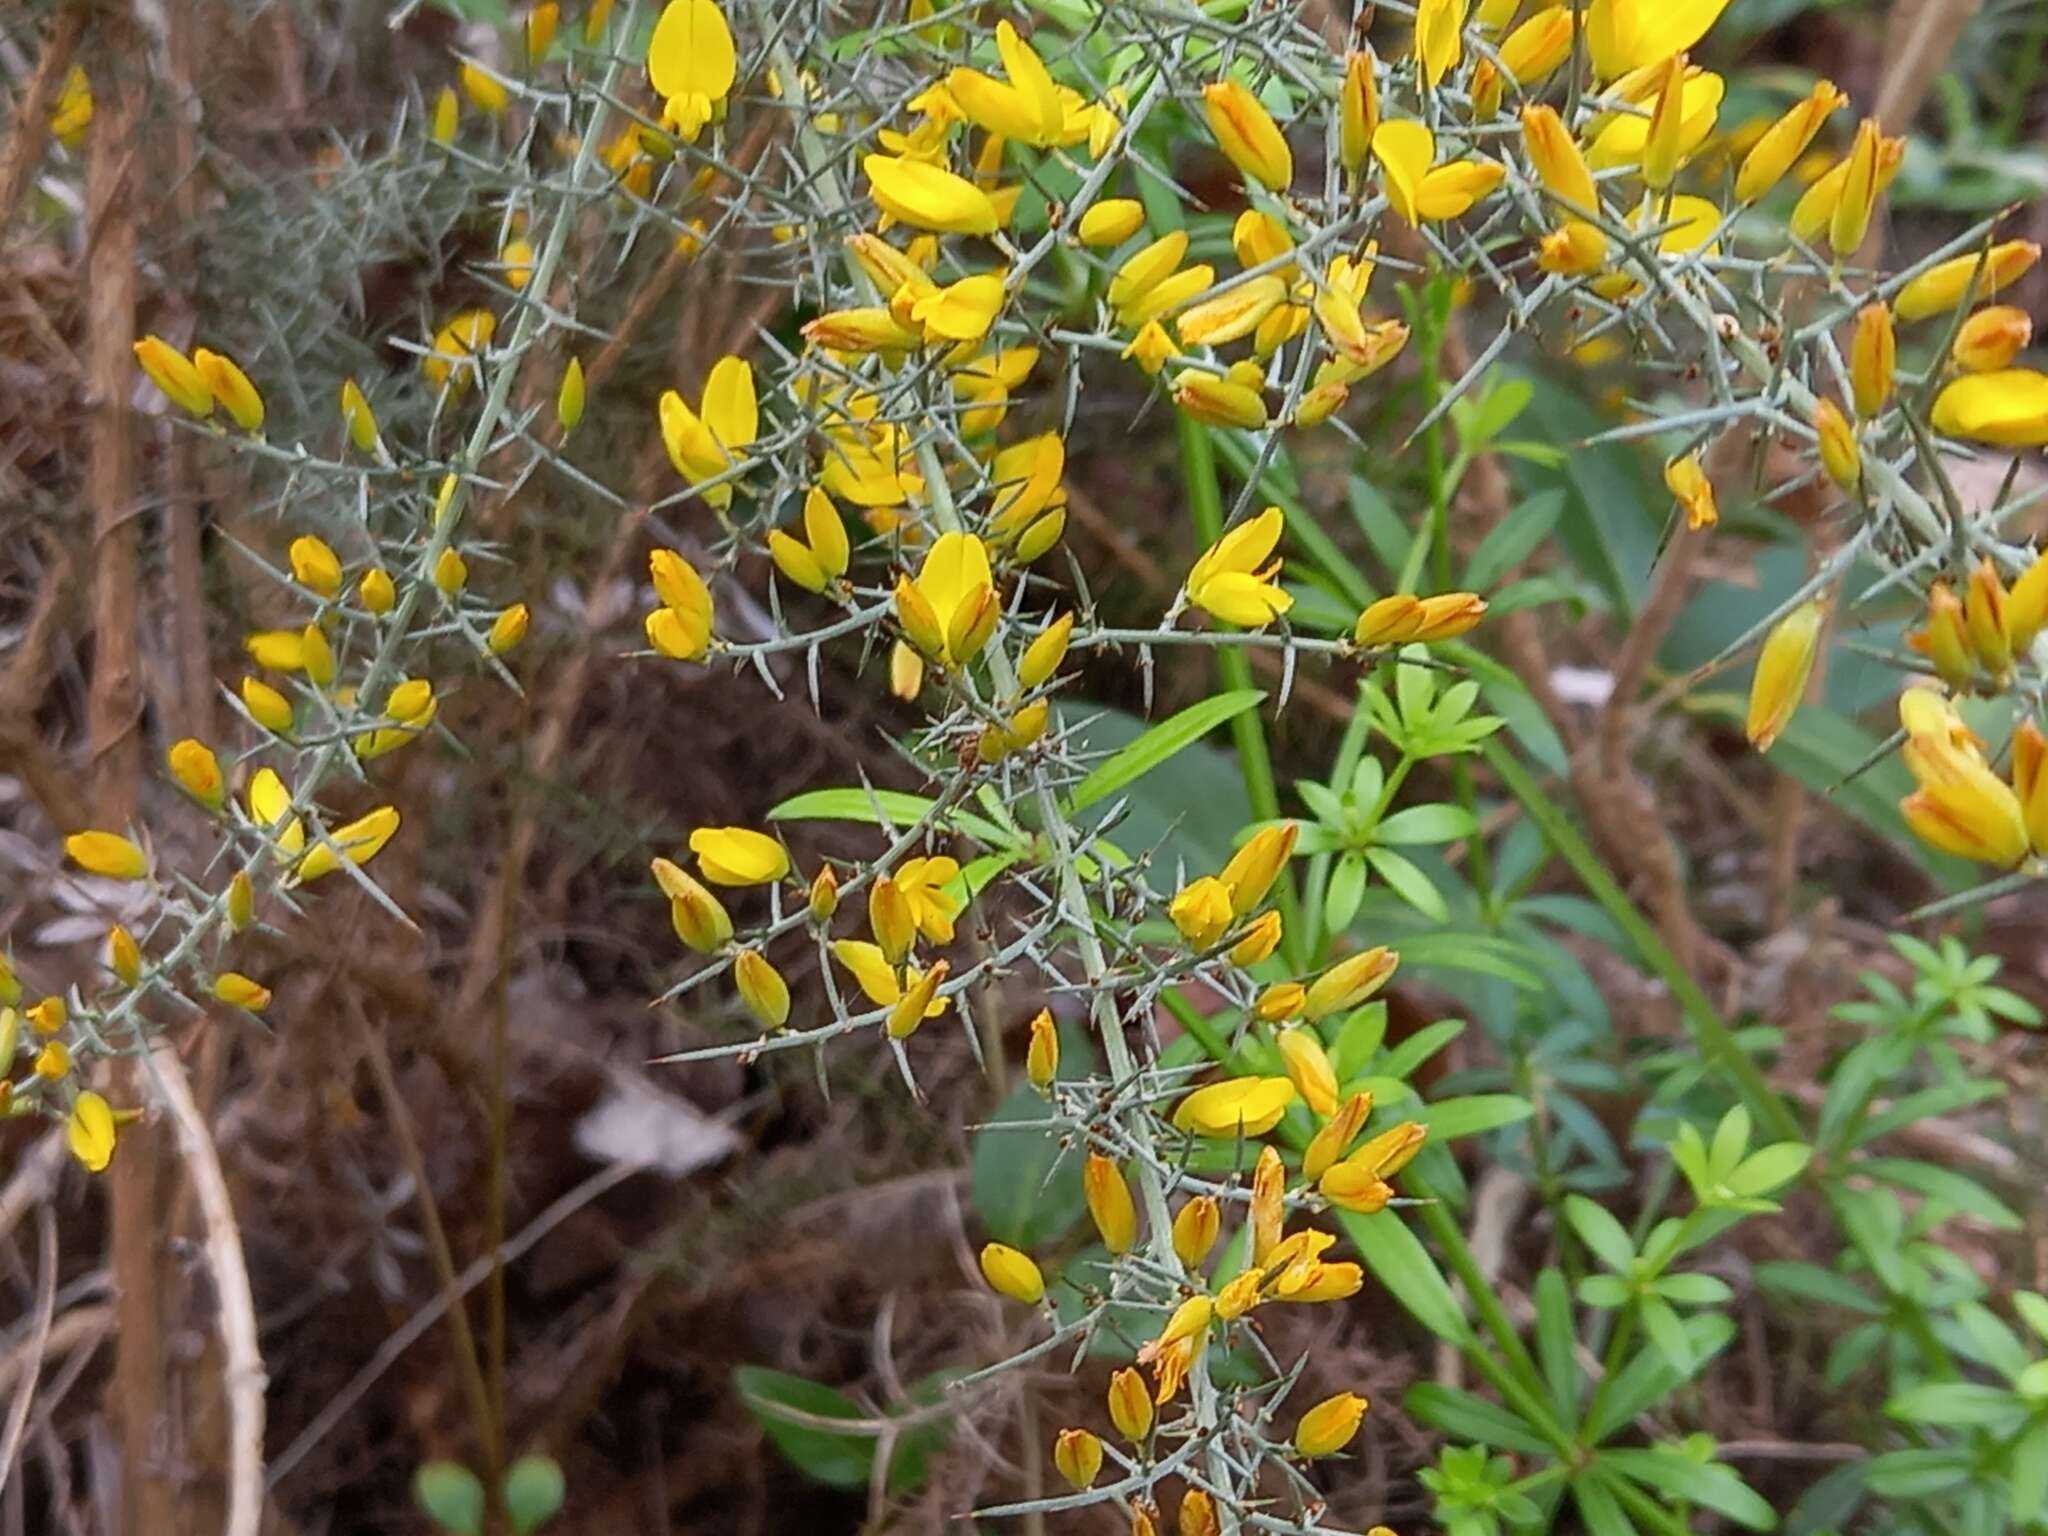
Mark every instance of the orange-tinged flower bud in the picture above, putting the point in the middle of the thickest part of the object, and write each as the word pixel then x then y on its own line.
pixel 1078 1456
pixel 231 387
pixel 1320 404
pixel 1246 133
pixel 1253 868
pixel 1190 1321
pixel 1238 1106
pixel 1201 910
pixel 267 707
pixel 197 771
pixel 738 856
pixel 1352 1187
pixel 1839 454
pixel 1538 45
pixel 1664 148
pixel 507 630
pixel 241 901
pixel 1782 669
pixel 1944 640
pixel 1336 1136
pixel 1231 315
pixel 1259 941
pixel 1110 1203
pixel 1687 480
pixel 316 656
pixel 1439 38
pixel 2030 781
pixel 1219 402
pixel 1984 618
pixel 1130 1405
pixel 1992 337
pixel 1785 141
pixel 1111 221
pixel 1978 275
pixel 1309 1069
pixel 1330 1425
pixel 1268 1207
pixel 1574 249
pixel 822 900
pixel 1961 806
pixel 174 373
pixel 1873 360
pixel 1239 1295
pixel 891 919
pixel 1195 1230
pixel 929 197
pixel 1198 1514
pixel 761 988
pixel 1012 1274
pixel 238 991
pixel 1042 1055
pixel 1555 155
pixel 1358 110
pixel 124 956
pixel 1282 1000
pixel 699 918
pixel 1860 189
pixel 53 1062
pixel 49 1016
pixel 89 1131
pixel 107 854
pixel 1349 982
pixel 1152 348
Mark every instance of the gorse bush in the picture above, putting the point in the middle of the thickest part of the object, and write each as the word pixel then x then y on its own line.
pixel 977 219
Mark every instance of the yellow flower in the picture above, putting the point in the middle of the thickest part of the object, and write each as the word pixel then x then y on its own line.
pixel 456 345
pixel 1873 359
pixel 1687 480
pixel 89 1131
pixel 822 899
pixel 1238 1106
pixel 927 887
pixel 955 588
pixel 738 856
pixel 1984 618
pixel 690 54
pixel 1042 657
pixel 1538 45
pixel 1028 107
pixel 1111 221
pixel 1012 1274
pixel 1836 443
pixel 1992 337
pixel 1358 109
pixel 1151 349
pixel 1110 1203
pixel 1439 38
pixel 174 373
pixel 1042 1055
pixel 1330 1425
pixel 1349 982
pixel 821 557
pixel 1130 1409
pixel 761 988
pixel 451 572
pixel 237 990
pixel 1258 941
pixel 485 90
pixel 1309 1069
pixel 241 901
pixel 1945 285
pixel 698 917
pixel 1232 314
pixel 920 1000
pixel 681 627
pixel 315 566
pixel 1268 1205
pixel 1860 189
pixel 507 630
pixel 706 446
pixel 1557 160
pixel 962 311
pixel 1246 133
pixel 1782 668
pixel 358 418
pixel 124 956
pixel 1232 579
pixel 2030 780
pixel 929 197
pixel 1961 806
pixel 569 397
pixel 2008 408
pixel 231 387
pixel 1627 35
pixel 1402 617
pixel 1201 911
pixel 1195 1230
pixel 1688 118
pixel 270 806
pixel 516 259
pixel 1819 205
pixel 48 1017
pixel 1421 191
pixel 1235 401
pixel 267 707
pixel 107 854
pixel 1574 249
pixel 2026 611
pixel 1664 144
pixel 1785 141
pixel 358 841
pixel 1944 640
pixel 447 113
pixel 1253 868
pixel 68 122
pixel 1336 1136
pixel 1078 1456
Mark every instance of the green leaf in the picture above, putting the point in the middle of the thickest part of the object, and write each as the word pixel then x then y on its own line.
pixel 1605 1292
pixel 1693 1290
pixel 1382 526
pixel 1955 1402
pixel 1917 1473
pixel 1427 824
pixel 1827 1505
pixel 1598 1507
pixel 782 1404
pixel 1409 883
pixel 2032 1307
pixel 1420 1046
pixel 1667 1331
pixel 1398 1261
pixel 2029 1487
pixel 1769 1168
pixel 1512 540
pixel 451 1496
pixel 1468 1417
pixel 1358 1039
pixel 1612 516
pixel 1809 1282
pixel 1026 1187
pixel 900 809
pixel 1344 892
pixel 1607 1238
pixel 1161 742
pixel 534 1490
pixel 1650 1377
pixel 1956 1190
pixel 1448 1119
pixel 1713 1484
pixel 1556 1341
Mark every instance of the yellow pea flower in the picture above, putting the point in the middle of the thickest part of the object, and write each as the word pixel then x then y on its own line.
pixel 1238 1106
pixel 486 92
pixel 175 374
pixel 267 707
pixel 124 957
pixel 1574 249
pixel 315 566
pixel 447 113
pixel 72 116
pixel 1233 581
pixel 1945 285
pixel 1349 982
pixel 1358 109
pixel 1330 1425
pixel 456 345
pixel 1627 35
pixel 1689 115
pixel 1418 189
pixel 1232 314
pixel 1042 1054
pixel 89 1131
pixel 107 854
pixel 1196 1227
pixel 507 629
pixel 1077 1455
pixel 1042 657
pixel 929 197
pixel 1151 349
pixel 1109 1203
pixel 1961 806
pixel 1401 617
pixel 1555 155
pixel 1687 481
pixel 1027 106
pixel 357 417
pixel 1246 133
pixel 1992 337
pixel 1336 1135
pixel 231 387
pixel 316 656
pixel 691 63
pixel 238 991
pixel 1309 1068
pixel 48 1017
pixel 1836 444
pixel 270 804
pixel 1251 871
pixel 1439 38
pixel 1818 206
pixel 738 856
pixel 705 446
pixel 358 841
pixel 1130 1410
pixel 962 311
pixel 1235 401
pixel 762 989
pixel 1538 45
pixel 1860 189
pixel 2030 781
pixel 1785 141
pixel 1664 145
pixel 2008 408
pixel 1259 940
pixel 683 595
pixel 920 1000
pixel 1944 639
pixel 197 770
pixel 698 917
pixel 1873 359
pixel 1110 222
pixel 1782 668
pixel 1011 1273
pixel 955 587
